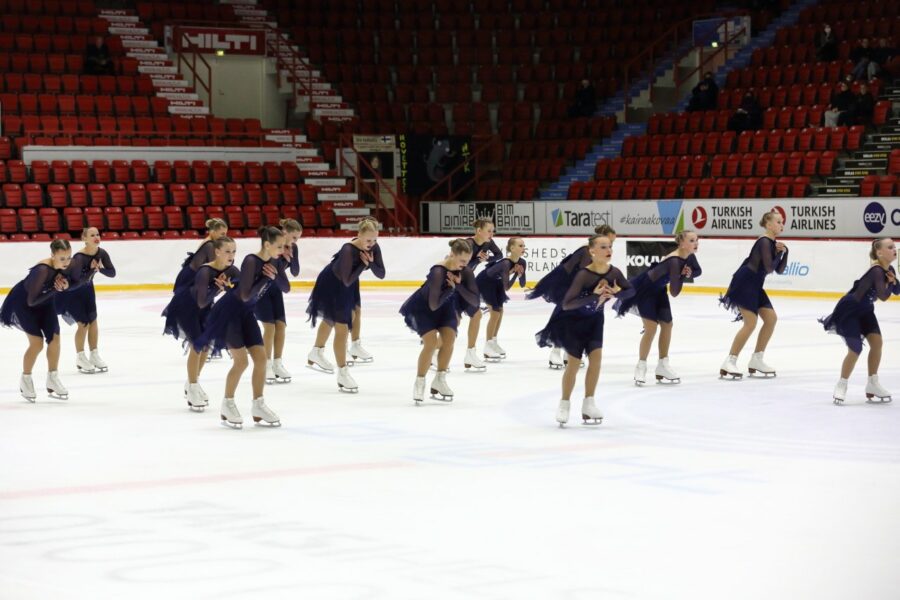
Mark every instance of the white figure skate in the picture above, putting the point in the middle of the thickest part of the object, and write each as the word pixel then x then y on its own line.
pixel 439 388
pixel 729 368
pixel 590 414
pixel 196 401
pixel 84 365
pixel 640 373
pixel 230 415
pixel 840 391
pixel 419 390
pixel 490 353
pixel 345 381
pixel 473 362
pixel 556 359
pixel 497 348
pixel 317 362
pixel 26 387
pixel 263 415
pixel 360 354
pixel 875 393
pixel 562 413
pixel 270 373
pixel 665 373
pixel 55 388
pixel 757 365
pixel 282 375
pixel 98 362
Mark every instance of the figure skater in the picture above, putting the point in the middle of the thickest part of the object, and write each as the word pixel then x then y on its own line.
pixel 651 302
pixel 433 312
pixel 215 228
pixel 270 308
pixel 29 307
pixel 854 319
pixel 78 304
pixel 333 300
pixel 231 325
pixel 189 308
pixel 484 251
pixel 493 283
pixel 577 326
pixel 747 298
pixel 357 352
pixel 554 285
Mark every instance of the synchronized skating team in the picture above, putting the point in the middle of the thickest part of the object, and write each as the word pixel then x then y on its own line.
pixel 578 288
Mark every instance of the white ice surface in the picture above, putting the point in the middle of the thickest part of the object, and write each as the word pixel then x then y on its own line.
pixel 711 489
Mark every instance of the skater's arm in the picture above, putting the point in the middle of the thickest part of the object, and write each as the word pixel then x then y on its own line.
pixel 626 290
pixel 675 267
pixel 522 280
pixel 573 261
pixel 468 288
pixel 694 264
pixel 435 291
pixel 343 267
pixel 295 260
pixel 203 285
pixel 895 289
pixel 204 254
pixel 377 264
pixel 253 281
pixel 763 250
pixel 79 272
pixel 781 261
pixel 573 298
pixel 878 279
pixel 36 285
pixel 281 279
pixel 106 266
pixel 495 250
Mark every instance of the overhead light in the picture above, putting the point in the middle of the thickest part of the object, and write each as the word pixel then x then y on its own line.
pixel 220 53
pixel 714 45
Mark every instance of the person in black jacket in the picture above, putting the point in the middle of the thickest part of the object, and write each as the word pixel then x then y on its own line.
pixel 826 44
pixel 97 60
pixel 585 101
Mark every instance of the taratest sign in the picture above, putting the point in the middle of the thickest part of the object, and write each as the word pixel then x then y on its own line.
pixel 209 40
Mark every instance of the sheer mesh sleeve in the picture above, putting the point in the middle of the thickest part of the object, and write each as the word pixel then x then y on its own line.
pixel 696 270
pixel 204 286
pixel 572 262
pixel 39 284
pixel 347 268
pixel 524 265
pixel 676 265
pixel 253 283
pixel 204 254
pixel 494 249
pixel 295 260
pixel 79 271
pixel 618 279
pixel 582 282
pixel 468 288
pixel 895 289
pixel 499 268
pixel 106 266
pixel 281 279
pixel 781 262
pixel 377 264
pixel 435 292
pixel 876 279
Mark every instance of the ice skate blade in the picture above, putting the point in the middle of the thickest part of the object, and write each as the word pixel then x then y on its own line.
pixel 873 399
pixel 663 381
pixel 56 396
pixel 199 408
pixel 555 367
pixel 270 381
pixel 102 369
pixel 474 369
pixel 281 380
pixel 492 359
pixel 839 401
pixel 86 372
pixel 318 368
pixel 762 374
pixel 348 390
pixel 435 395
pixel 562 424
pixel 32 399
pixel 259 422
pixel 586 420
pixel 639 383
pixel 231 425
pixel 723 374
pixel 363 361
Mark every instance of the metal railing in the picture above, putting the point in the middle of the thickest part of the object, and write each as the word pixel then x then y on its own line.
pixel 192 69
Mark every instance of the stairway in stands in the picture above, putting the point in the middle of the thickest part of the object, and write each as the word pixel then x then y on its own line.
pixel 870 161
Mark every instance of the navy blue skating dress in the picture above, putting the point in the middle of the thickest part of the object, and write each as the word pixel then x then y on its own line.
pixel 78 304
pixel 489 247
pixel 377 268
pixel 436 304
pixel 29 305
pixel 206 253
pixel 746 287
pixel 553 286
pixel 190 306
pixel 577 322
pixel 495 280
pixel 335 295
pixel 854 316
pixel 231 323
pixel 270 307
pixel 651 300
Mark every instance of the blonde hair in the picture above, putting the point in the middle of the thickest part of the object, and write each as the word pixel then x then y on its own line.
pixel 367 224
pixel 460 246
pixel 59 245
pixel 682 235
pixel 768 216
pixel 604 230
pixel 84 231
pixel 482 223
pixel 876 246
pixel 510 242
pixel 215 223
pixel 290 225
pixel 220 242
pixel 594 238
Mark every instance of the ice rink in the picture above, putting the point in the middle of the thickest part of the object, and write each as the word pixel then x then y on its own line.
pixel 711 489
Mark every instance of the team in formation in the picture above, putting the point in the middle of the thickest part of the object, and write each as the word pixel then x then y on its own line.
pixel 215 306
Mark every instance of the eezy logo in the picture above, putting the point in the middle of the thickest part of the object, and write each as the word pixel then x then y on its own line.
pixel 874 217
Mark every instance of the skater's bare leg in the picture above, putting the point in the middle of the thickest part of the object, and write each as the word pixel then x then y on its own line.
pixel 93 335
pixel 593 372
pixel 258 377
pixel 238 366
pixel 445 352
pixel 81 331
pixel 743 334
pixel 341 331
pixel 35 345
pixel 647 338
pixel 53 354
pixel 569 375
pixel 357 324
pixel 474 326
pixel 322 334
pixel 849 363
pixel 279 339
pixel 665 339
pixel 268 334
pixel 429 345
pixel 493 325
pixel 769 318
pixel 195 362
pixel 875 345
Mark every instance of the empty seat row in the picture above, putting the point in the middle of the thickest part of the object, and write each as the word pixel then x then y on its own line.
pixel 884 185
pixel 813 162
pixel 153 234
pixel 540 170
pixel 508 190
pixel 108 124
pixel 85 8
pixel 721 187
pixel 851 29
pixel 77 84
pixel 83 104
pixel 717 120
pixel 87 25
pixel 834 12
pixel 57 63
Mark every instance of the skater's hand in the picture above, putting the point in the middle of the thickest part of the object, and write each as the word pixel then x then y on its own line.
pixel 221 281
pixel 601 287
pixel 482 256
pixel 452 279
pixel 60 283
pixel 892 279
pixel 95 265
pixel 365 257
pixel 519 269
pixel 288 252
pixel 780 247
pixel 686 271
pixel 269 271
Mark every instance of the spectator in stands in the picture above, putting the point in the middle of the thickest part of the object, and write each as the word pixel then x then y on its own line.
pixel 826 44
pixel 585 101
pixel 842 110
pixel 97 60
pixel 882 55
pixel 861 56
pixel 748 117
pixel 705 94
pixel 865 105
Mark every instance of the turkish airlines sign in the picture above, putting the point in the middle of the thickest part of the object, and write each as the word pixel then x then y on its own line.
pixel 209 40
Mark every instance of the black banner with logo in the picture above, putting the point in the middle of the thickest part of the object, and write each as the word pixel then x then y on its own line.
pixel 426 160
pixel 643 255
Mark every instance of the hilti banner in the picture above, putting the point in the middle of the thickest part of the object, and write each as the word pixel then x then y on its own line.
pixel 209 40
